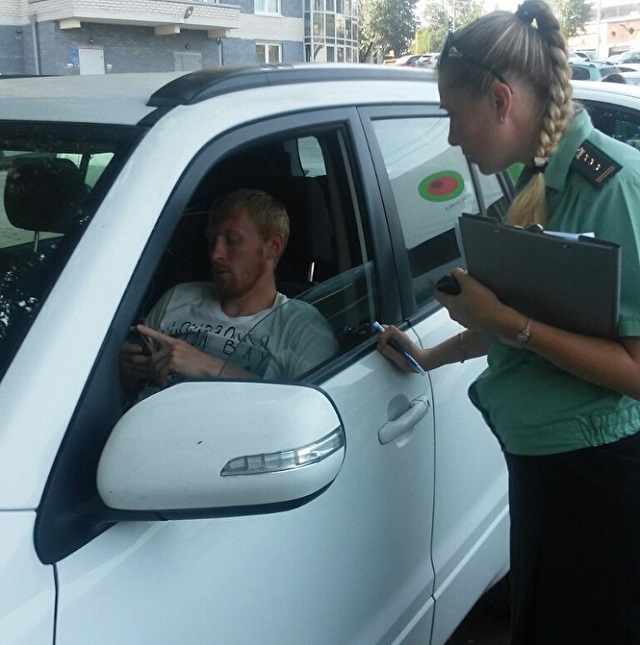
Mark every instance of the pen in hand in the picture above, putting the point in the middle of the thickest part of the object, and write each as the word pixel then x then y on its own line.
pixel 396 345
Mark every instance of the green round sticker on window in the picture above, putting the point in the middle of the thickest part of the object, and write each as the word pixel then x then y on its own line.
pixel 441 186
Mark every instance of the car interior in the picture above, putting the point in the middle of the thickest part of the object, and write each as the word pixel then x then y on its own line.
pixel 322 263
pixel 45 198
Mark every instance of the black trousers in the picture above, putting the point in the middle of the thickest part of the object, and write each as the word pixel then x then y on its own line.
pixel 575 546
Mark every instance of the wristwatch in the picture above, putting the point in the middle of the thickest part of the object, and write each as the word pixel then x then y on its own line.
pixel 524 335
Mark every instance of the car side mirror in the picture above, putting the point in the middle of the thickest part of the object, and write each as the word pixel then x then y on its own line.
pixel 196 449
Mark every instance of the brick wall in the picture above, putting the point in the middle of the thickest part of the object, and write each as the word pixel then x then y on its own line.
pixel 136 48
pixel 128 49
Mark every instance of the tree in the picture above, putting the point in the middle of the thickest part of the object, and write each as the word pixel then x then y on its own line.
pixel 385 26
pixel 441 15
pixel 573 16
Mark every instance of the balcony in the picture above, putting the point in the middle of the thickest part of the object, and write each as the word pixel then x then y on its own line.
pixel 167 17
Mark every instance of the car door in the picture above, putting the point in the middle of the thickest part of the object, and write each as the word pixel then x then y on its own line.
pixel 51 175
pixel 348 560
pixel 426 186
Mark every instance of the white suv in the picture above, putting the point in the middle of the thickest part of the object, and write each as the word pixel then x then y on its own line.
pixel 356 504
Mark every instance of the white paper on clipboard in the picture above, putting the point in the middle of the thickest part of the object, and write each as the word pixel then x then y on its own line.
pixel 569 283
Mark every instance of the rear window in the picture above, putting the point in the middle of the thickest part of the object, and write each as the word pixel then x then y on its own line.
pixel 580 73
pixel 52 179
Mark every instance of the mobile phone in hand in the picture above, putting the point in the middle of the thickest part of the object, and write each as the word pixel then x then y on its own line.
pixel 137 338
pixel 394 343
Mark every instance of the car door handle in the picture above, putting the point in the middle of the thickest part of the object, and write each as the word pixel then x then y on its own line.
pixel 405 422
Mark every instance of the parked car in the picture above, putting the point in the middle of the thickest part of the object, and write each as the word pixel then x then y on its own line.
pixel 578 57
pixel 354 505
pixel 428 60
pixel 632 56
pixel 587 54
pixel 590 71
pixel 614 108
pixel 409 60
pixel 628 67
pixel 366 505
pixel 631 78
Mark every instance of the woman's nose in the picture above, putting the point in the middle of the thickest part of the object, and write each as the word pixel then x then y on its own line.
pixel 453 140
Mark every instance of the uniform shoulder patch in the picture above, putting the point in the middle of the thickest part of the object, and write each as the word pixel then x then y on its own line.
pixel 593 164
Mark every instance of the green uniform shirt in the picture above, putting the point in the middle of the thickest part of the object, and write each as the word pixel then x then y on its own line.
pixel 533 407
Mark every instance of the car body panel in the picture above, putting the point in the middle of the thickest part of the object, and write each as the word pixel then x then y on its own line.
pixel 631 56
pixel 27 595
pixel 109 98
pixel 612 93
pixel 235 549
pixel 632 77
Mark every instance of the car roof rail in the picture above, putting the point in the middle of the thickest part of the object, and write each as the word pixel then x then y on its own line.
pixel 214 81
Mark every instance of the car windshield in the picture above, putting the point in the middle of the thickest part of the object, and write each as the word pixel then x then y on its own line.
pixel 52 179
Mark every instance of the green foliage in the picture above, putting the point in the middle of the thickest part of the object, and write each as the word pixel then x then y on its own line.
pixel 385 26
pixel 573 16
pixel 441 15
pixel 422 42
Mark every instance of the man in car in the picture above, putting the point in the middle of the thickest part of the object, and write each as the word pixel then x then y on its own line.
pixel 238 319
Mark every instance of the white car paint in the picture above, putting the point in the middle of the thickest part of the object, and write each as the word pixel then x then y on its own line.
pixel 400 539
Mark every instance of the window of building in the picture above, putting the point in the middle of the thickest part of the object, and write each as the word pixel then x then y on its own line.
pixel 268 53
pixel 267 6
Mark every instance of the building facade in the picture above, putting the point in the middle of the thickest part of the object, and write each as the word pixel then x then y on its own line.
pixel 615 29
pixel 57 37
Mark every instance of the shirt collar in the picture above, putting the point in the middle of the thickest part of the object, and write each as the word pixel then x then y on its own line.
pixel 577 131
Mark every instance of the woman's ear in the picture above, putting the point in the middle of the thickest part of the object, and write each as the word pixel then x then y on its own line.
pixel 502 99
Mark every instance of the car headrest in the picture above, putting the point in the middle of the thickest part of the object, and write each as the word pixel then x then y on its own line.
pixel 44 195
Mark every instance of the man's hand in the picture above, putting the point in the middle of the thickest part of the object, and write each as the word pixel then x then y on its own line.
pixel 174 356
pixel 135 361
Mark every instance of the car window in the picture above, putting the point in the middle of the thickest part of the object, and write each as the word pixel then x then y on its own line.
pixel 325 270
pixel 310 157
pixel 308 330
pixel 52 178
pixel 579 73
pixel 618 122
pixel 432 186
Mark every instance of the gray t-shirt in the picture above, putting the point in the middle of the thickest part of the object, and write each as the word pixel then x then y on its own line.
pixel 284 341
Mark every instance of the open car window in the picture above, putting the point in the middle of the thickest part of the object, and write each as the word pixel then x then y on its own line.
pixel 308 330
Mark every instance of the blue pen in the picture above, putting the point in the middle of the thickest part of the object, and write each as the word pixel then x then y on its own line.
pixel 394 343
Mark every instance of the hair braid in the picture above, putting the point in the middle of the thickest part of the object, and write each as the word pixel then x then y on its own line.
pixel 530 204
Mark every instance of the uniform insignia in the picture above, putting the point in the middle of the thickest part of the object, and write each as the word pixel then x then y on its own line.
pixel 593 164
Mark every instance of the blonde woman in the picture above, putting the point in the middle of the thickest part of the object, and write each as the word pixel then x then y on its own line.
pixel 563 406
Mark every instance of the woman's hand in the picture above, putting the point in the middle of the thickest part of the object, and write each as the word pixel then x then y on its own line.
pixel 393 354
pixel 477 308
pixel 613 364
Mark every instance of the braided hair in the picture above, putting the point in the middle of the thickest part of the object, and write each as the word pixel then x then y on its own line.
pixel 510 45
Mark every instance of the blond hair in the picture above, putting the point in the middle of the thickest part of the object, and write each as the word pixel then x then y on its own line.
pixel 510 45
pixel 267 213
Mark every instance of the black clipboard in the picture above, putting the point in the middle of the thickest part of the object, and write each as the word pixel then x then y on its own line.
pixel 570 284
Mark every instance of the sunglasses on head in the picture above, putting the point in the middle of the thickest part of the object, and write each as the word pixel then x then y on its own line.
pixel 449 50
